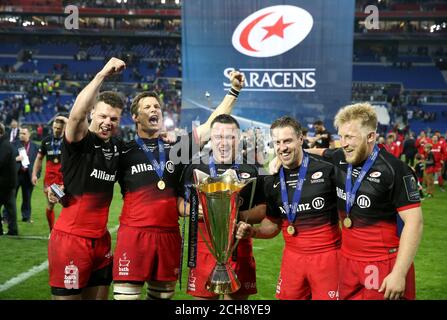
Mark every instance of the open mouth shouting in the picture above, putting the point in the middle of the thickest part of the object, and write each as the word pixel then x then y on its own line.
pixel 153 120
pixel 105 130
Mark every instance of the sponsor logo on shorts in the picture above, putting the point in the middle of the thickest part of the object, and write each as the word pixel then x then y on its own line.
pixel 123 265
pixel 109 255
pixel 278 286
pixel 192 281
pixel 71 276
pixel 332 294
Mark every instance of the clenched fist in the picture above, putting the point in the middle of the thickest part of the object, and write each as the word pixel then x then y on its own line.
pixel 237 80
pixel 113 66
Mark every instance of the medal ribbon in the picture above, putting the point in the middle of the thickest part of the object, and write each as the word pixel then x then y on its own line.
pixel 352 191
pixel 159 167
pixel 292 212
pixel 213 170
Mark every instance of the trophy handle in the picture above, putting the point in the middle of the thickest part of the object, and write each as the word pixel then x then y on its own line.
pixel 252 181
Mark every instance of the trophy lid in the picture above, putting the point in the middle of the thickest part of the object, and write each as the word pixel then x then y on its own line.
pixel 228 181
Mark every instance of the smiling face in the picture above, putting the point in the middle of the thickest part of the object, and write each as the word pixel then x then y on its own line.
pixel 224 142
pixel 288 146
pixel 105 120
pixel 357 142
pixel 149 118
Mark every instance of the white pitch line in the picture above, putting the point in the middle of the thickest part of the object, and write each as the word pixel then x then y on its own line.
pixel 27 237
pixel 33 271
pixel 23 276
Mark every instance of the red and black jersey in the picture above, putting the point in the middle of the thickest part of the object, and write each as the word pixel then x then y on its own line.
pixel 145 205
pixel 316 224
pixel 51 147
pixel 244 171
pixel 389 187
pixel 89 169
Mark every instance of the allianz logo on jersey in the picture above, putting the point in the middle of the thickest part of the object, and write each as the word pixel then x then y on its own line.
pixel 145 167
pixel 362 201
pixel 317 204
pixel 270 32
pixel 102 175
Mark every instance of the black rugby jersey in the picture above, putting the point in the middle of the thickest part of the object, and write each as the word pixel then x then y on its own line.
pixel 47 149
pixel 145 205
pixel 316 223
pixel 389 186
pixel 245 171
pixel 89 169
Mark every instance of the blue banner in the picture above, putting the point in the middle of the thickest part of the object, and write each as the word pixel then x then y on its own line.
pixel 296 57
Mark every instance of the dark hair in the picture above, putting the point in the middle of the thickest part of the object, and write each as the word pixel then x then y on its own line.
pixel 23 126
pixel 318 123
pixel 287 121
pixel 138 97
pixel 225 118
pixel 112 98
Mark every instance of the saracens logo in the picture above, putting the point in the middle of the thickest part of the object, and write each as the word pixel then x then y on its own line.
pixel 375 174
pixel 272 31
pixel 317 175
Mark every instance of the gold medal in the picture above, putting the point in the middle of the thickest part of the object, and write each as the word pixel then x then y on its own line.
pixel 347 222
pixel 56 160
pixel 291 230
pixel 161 185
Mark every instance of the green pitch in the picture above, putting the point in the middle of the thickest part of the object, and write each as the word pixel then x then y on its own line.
pixel 20 255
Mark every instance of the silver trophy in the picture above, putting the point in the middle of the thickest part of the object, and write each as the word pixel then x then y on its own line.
pixel 219 198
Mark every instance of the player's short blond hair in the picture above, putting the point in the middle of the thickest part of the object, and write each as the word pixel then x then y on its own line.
pixel 364 112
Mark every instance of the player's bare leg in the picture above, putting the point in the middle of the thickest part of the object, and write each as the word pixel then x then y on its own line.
pixel 95 293
pixel 71 297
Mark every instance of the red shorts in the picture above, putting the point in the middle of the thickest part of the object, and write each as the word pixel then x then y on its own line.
pixel 146 254
pixel 52 177
pixel 244 267
pixel 72 259
pixel 361 280
pixel 308 276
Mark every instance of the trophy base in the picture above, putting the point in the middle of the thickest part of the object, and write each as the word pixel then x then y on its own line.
pixel 222 280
